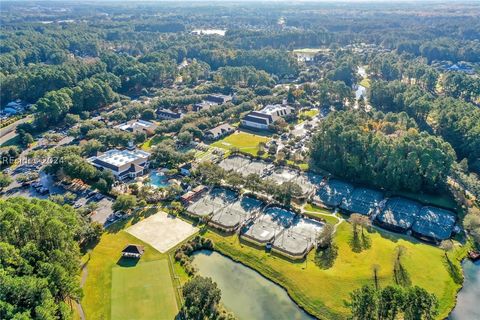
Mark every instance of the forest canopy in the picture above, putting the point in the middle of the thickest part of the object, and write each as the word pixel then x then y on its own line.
pixel 39 259
pixel 382 150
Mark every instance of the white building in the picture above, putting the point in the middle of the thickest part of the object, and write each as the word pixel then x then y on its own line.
pixel 264 118
pixel 123 164
pixel 138 126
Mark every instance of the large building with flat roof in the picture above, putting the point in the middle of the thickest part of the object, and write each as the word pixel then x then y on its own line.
pixel 123 164
pixel 262 119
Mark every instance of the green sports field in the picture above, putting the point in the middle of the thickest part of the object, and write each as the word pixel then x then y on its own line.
pixel 143 292
pixel 244 141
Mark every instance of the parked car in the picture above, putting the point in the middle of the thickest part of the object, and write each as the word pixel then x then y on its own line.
pixel 43 190
pixel 119 214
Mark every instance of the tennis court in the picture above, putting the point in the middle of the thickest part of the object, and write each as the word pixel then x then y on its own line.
pixel 271 223
pixel 307 182
pixel 255 167
pixel 212 202
pixel 231 216
pixel 399 214
pixel 333 192
pixel 235 163
pixel 281 175
pixel 362 200
pixel 298 239
pixel 434 224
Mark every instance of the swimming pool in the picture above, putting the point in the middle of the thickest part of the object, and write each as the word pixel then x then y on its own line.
pixel 158 179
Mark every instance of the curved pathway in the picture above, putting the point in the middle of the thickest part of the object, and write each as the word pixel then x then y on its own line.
pixel 84 274
pixel 334 215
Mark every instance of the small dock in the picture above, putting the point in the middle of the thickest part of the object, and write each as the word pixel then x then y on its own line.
pixel 474 255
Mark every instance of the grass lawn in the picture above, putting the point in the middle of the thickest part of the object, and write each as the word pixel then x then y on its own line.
pixel 104 264
pixel 311 112
pixel 246 142
pixel 365 82
pixel 323 292
pixel 142 292
pixel 147 145
pixel 320 213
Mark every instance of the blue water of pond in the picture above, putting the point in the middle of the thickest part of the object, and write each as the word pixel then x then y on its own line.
pixel 469 297
pixel 245 292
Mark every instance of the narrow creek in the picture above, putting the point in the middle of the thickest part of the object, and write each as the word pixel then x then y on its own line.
pixel 245 292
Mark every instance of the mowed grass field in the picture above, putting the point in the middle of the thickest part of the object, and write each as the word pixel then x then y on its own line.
pixel 244 141
pixel 323 292
pixel 143 292
pixel 111 285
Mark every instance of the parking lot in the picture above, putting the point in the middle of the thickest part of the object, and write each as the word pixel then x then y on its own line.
pixel 103 211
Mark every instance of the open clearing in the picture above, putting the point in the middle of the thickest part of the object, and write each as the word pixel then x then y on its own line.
pixel 141 292
pixel 162 231
pixel 246 142
pixel 105 258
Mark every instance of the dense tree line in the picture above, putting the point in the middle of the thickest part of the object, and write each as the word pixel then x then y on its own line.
pixel 383 150
pixel 242 76
pixel 459 123
pixel 88 95
pixel 35 81
pixel 39 259
pixel 392 302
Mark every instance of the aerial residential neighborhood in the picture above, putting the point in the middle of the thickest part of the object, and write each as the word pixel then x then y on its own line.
pixel 239 160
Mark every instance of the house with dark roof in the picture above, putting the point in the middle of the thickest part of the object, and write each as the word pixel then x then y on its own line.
pixel 263 118
pixel 166 114
pixel 219 131
pixel 123 164
pixel 133 251
pixel 218 98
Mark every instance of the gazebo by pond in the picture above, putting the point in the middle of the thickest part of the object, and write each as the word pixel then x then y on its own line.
pixel 133 251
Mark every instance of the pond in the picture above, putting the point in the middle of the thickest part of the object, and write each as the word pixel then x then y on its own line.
pixel 245 292
pixel 158 179
pixel 468 297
